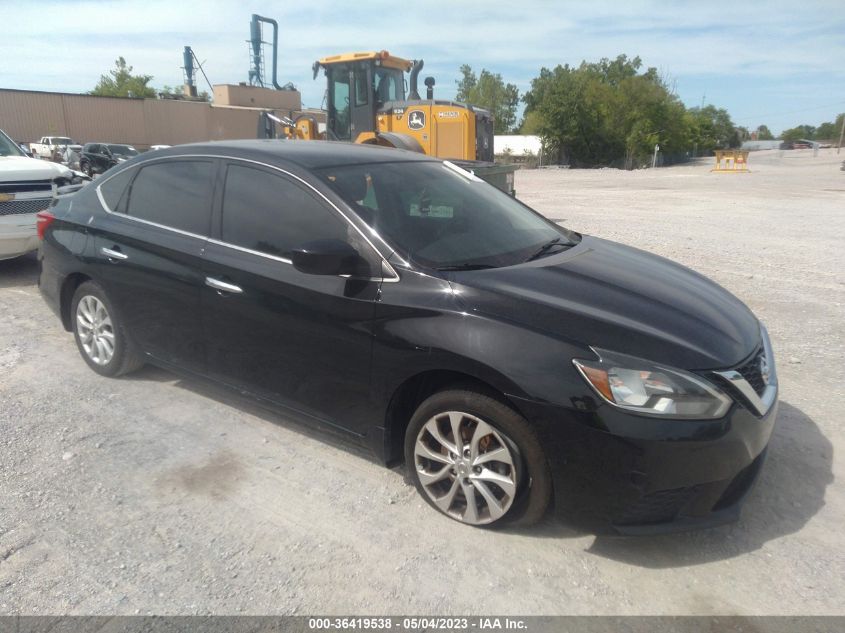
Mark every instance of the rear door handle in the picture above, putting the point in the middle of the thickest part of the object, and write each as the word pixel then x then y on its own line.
pixel 113 254
pixel 222 286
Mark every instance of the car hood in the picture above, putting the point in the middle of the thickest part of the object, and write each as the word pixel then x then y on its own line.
pixel 607 295
pixel 22 168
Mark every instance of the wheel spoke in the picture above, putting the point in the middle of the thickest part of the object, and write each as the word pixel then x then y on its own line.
pixel 496 510
pixel 428 478
pixel 505 483
pixel 455 420
pixel 445 502
pixel 108 346
pixel 85 309
pixel 422 450
pixel 84 324
pixel 482 430
pixel 101 351
pixel 500 454
pixel 471 513
pixel 434 430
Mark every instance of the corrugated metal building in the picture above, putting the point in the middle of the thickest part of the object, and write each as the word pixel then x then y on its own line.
pixel 27 115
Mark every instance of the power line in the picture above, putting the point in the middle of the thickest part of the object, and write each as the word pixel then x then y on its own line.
pixel 763 116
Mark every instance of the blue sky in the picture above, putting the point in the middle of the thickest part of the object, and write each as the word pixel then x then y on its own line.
pixel 778 63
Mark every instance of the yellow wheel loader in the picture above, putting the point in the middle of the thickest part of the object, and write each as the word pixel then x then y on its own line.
pixel 366 103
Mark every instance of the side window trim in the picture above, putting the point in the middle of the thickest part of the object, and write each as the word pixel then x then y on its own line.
pixel 137 168
pixel 391 275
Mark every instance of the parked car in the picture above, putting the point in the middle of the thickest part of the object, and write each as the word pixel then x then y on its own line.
pixel 27 186
pixel 54 147
pixel 97 158
pixel 417 310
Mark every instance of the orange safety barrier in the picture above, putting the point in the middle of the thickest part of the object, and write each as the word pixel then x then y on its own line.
pixel 731 161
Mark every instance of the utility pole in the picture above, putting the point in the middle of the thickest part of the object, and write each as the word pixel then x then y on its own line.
pixel 654 160
pixel 841 134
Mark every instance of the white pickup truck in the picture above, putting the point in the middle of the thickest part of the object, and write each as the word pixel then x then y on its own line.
pixel 51 147
pixel 27 186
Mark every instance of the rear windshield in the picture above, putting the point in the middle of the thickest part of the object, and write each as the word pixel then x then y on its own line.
pixel 123 150
pixel 440 216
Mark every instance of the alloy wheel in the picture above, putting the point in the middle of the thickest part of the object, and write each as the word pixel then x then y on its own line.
pixel 96 332
pixel 466 467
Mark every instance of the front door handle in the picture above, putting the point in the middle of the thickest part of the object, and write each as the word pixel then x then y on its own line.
pixel 113 254
pixel 222 286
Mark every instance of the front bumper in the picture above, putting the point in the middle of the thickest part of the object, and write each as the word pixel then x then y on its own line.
pixel 638 475
pixel 18 235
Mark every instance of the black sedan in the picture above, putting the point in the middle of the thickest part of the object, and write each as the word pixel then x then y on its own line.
pixel 96 158
pixel 509 362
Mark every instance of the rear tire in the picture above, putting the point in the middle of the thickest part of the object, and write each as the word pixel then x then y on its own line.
pixel 496 474
pixel 99 333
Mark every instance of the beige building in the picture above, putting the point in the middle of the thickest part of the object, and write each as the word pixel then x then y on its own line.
pixel 27 115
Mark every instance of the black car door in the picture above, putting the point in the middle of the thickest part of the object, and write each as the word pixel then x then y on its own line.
pixel 148 254
pixel 97 158
pixel 303 341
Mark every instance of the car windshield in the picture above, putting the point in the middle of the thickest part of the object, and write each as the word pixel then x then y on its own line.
pixel 61 140
pixel 123 150
pixel 8 147
pixel 440 216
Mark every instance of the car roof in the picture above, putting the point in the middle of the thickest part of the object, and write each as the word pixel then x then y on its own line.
pixel 308 154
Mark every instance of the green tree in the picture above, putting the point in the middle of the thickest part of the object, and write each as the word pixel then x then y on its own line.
pixel 466 83
pixel 827 132
pixel 531 123
pixel 489 91
pixel 120 82
pixel 801 132
pixel 711 128
pixel 764 134
pixel 607 112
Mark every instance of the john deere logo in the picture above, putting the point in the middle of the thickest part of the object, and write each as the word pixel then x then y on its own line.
pixel 416 119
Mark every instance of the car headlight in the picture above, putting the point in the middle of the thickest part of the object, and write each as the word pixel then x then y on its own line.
pixel 643 387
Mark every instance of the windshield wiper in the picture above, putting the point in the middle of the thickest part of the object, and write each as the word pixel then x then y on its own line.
pixel 467 266
pixel 548 246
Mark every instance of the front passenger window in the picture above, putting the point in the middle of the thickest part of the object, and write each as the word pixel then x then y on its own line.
pixel 272 214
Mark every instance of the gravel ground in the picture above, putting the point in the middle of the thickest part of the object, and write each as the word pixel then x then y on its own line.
pixel 156 494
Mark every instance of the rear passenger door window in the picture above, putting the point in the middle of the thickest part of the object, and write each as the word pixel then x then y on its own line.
pixel 175 194
pixel 273 214
pixel 115 190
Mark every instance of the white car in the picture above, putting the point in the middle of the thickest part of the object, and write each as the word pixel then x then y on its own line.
pixel 54 147
pixel 27 186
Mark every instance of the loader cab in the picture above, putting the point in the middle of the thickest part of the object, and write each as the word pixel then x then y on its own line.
pixel 358 85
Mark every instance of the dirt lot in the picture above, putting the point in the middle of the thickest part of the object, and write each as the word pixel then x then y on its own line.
pixel 155 494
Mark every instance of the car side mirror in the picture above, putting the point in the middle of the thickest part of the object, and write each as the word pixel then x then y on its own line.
pixel 329 257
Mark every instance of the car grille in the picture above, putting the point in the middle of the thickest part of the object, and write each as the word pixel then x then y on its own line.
pixel 45 186
pixel 752 374
pixel 19 207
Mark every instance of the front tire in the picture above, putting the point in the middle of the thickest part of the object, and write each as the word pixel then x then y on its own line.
pixel 99 334
pixel 476 460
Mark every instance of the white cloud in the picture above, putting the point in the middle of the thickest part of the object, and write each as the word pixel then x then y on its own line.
pixel 68 45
